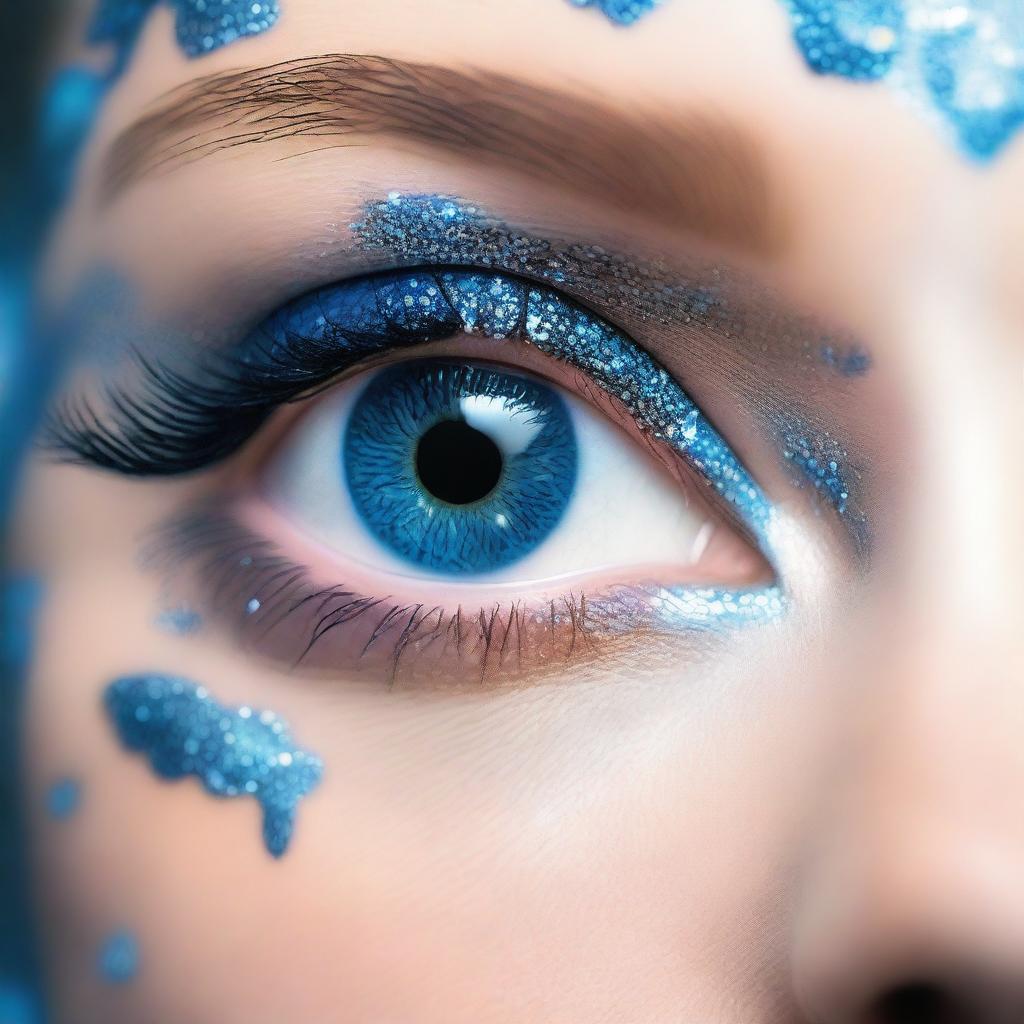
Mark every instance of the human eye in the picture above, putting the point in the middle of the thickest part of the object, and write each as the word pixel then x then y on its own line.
pixel 445 475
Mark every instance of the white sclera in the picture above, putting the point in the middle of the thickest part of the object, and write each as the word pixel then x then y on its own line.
pixel 625 509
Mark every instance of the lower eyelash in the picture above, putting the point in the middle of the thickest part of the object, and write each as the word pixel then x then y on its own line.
pixel 276 608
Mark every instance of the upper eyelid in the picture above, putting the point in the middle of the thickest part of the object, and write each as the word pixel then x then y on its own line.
pixel 301 346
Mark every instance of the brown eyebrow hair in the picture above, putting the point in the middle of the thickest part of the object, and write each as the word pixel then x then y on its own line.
pixel 688 171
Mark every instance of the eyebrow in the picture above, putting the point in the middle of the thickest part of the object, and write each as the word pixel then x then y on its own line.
pixel 688 171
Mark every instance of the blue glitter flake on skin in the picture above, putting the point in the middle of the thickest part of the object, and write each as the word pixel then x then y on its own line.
pixel 961 61
pixel 233 752
pixel 622 12
pixel 852 361
pixel 63 799
pixel 180 621
pixel 119 958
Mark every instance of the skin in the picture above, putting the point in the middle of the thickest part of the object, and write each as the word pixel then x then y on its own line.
pixel 786 831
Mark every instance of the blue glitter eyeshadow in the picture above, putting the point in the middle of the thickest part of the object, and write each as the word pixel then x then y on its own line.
pixel 622 12
pixel 233 752
pixel 820 461
pixel 63 799
pixel 118 961
pixel 439 230
pixel 962 62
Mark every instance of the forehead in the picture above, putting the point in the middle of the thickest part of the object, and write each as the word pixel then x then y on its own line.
pixel 824 97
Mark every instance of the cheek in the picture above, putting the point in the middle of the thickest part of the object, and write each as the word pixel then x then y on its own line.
pixel 457 846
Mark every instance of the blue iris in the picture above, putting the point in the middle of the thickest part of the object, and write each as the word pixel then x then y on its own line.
pixel 458 467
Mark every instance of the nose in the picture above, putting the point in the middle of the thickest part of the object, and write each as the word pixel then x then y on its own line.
pixel 910 905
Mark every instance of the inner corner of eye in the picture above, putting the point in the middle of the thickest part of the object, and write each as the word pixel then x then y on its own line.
pixel 467 471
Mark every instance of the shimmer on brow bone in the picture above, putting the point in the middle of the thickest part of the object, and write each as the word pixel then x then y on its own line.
pixel 686 171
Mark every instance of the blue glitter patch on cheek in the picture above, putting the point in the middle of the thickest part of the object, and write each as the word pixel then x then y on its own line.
pixel 961 62
pixel 232 751
pixel 622 12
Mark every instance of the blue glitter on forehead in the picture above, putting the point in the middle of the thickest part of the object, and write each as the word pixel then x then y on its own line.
pixel 962 63
pixel 622 12
pixel 201 26
pixel 232 751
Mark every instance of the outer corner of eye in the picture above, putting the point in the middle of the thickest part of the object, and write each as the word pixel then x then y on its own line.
pixel 449 471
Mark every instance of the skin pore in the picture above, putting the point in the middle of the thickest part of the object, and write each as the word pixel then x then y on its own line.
pixel 800 821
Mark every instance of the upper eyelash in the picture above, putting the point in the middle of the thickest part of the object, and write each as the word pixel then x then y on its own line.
pixel 174 422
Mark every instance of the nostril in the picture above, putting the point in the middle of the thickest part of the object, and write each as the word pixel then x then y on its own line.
pixel 919 1003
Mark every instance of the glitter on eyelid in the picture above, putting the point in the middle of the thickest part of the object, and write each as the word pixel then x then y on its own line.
pixel 714 608
pixel 962 63
pixel 819 460
pixel 622 12
pixel 434 229
pixel 233 751
pixel 439 230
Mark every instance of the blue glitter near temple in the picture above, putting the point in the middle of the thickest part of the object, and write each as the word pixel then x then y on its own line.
pixel 233 752
pixel 818 462
pixel 622 12
pixel 119 959
pixel 961 62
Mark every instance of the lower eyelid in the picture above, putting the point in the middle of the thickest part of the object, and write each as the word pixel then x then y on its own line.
pixel 442 636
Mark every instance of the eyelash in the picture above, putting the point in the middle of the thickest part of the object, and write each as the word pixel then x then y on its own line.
pixel 177 422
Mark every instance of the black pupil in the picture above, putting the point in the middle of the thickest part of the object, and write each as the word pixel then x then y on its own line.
pixel 457 463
